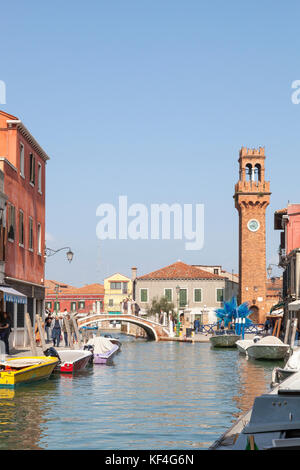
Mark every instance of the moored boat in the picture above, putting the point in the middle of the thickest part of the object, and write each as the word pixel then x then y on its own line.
pixel 104 349
pixel 24 370
pixel 224 340
pixel 269 347
pixel 291 367
pixel 243 344
pixel 273 423
pixel 70 360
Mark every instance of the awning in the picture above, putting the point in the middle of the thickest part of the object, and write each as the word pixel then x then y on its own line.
pixel 294 306
pixel 12 295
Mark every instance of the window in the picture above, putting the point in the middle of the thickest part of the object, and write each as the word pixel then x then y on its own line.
pixel 56 306
pixel 169 294
pixel 182 297
pixel 11 222
pixel 115 285
pixel 125 288
pixel 48 305
pixel 32 169
pixel 81 304
pixel 144 295
pixel 111 302
pixel 216 270
pixel 73 306
pixel 39 238
pixel 30 233
pixel 40 178
pixel 197 295
pixel 220 295
pixel 21 228
pixel 22 160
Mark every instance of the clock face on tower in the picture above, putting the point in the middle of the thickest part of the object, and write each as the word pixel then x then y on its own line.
pixel 253 225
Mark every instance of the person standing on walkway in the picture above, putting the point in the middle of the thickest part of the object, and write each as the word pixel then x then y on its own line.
pixel 48 321
pixel 56 327
pixel 5 329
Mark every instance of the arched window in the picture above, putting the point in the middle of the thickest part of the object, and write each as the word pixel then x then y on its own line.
pixel 248 172
pixel 257 172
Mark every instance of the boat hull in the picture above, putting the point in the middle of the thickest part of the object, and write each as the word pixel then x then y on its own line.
pixel 224 341
pixel 12 378
pixel 269 352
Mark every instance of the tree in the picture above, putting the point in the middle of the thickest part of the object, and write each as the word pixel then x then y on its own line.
pixel 160 305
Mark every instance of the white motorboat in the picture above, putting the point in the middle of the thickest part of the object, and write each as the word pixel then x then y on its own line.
pixel 269 347
pixel 292 365
pixel 243 344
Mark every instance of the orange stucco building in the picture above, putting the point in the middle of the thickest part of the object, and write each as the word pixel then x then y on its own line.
pixel 23 164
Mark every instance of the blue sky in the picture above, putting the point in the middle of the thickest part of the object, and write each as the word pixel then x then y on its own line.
pixel 153 100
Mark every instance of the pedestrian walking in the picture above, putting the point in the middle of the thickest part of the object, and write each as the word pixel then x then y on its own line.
pixel 48 321
pixel 56 327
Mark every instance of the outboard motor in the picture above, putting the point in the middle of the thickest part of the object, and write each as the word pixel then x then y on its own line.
pixel 89 347
pixel 52 353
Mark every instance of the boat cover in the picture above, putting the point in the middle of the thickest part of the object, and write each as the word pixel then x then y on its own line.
pixel 101 345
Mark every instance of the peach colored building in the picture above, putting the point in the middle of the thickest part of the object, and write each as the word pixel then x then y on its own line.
pixel 23 163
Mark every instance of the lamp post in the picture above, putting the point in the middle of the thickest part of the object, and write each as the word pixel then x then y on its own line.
pixel 50 252
pixel 177 326
pixel 56 292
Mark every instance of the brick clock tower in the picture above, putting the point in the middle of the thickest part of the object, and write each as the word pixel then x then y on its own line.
pixel 252 197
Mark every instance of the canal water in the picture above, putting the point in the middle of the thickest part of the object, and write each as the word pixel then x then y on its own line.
pixel 163 395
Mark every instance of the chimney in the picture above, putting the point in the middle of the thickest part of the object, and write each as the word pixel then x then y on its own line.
pixel 133 274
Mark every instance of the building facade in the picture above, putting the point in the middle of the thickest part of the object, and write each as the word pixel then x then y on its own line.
pixel 252 197
pixel 23 164
pixel 86 299
pixel 116 289
pixel 200 291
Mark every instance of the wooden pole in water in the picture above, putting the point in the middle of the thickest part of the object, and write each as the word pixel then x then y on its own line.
pixel 30 334
pixel 76 329
pixel 69 334
pixel 41 331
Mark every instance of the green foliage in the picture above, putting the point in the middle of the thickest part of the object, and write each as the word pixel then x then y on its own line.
pixel 160 305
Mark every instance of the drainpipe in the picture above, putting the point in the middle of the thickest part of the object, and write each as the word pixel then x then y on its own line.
pixel 133 278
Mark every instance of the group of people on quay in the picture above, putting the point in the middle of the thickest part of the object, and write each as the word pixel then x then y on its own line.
pixel 56 330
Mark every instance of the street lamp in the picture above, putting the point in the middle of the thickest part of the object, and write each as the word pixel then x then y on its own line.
pixel 51 252
pixel 269 271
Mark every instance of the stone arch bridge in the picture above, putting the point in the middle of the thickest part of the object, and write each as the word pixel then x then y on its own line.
pixel 154 330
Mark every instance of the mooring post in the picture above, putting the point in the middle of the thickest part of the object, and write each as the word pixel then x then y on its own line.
pixel 30 334
pixel 69 334
pixel 41 331
pixel 287 330
pixel 76 329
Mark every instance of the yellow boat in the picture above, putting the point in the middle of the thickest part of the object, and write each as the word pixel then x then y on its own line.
pixel 23 370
